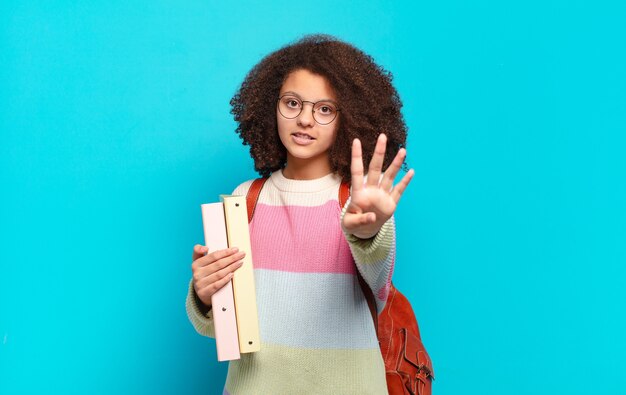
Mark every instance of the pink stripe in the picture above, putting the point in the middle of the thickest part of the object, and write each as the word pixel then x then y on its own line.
pixel 282 236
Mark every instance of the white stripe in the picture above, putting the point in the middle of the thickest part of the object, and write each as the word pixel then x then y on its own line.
pixel 313 310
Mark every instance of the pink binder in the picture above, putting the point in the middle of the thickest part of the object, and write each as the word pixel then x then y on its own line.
pixel 222 302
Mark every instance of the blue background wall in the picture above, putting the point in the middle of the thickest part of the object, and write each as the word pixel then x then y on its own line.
pixel 115 127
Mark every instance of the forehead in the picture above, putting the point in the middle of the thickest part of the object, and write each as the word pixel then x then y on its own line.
pixel 308 86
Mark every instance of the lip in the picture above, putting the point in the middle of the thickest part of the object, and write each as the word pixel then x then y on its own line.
pixel 306 134
pixel 302 140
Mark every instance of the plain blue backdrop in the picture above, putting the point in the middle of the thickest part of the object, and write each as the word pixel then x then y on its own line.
pixel 115 127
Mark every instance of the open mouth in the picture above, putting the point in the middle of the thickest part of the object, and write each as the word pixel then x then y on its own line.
pixel 302 136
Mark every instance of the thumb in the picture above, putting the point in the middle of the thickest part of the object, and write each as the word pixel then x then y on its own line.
pixel 352 221
pixel 353 208
pixel 198 252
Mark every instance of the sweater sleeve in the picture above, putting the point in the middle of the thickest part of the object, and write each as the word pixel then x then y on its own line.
pixel 375 258
pixel 204 324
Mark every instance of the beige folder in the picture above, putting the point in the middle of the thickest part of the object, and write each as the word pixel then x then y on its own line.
pixel 236 215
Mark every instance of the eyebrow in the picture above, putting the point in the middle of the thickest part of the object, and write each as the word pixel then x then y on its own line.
pixel 300 97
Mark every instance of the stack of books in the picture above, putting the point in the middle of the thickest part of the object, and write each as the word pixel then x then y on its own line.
pixel 234 306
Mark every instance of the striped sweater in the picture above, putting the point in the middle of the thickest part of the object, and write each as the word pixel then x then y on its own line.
pixel 316 331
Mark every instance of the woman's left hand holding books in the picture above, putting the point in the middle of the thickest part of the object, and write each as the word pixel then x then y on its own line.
pixel 373 201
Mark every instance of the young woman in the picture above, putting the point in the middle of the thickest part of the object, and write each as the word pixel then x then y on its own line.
pixel 312 113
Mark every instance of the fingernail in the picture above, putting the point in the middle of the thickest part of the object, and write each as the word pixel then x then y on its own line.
pixel 234 249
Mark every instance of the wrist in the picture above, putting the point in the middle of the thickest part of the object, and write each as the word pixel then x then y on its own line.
pixel 364 236
pixel 367 232
pixel 204 308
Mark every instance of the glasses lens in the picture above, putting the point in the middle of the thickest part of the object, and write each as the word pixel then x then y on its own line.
pixel 289 106
pixel 324 112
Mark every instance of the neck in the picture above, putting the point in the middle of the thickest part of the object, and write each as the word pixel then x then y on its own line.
pixel 307 169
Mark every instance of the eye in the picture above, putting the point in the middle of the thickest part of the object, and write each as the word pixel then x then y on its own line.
pixel 291 102
pixel 326 109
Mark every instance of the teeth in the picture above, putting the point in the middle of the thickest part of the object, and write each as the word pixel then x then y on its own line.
pixel 305 136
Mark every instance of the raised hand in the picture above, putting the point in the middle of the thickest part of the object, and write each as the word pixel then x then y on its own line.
pixel 375 200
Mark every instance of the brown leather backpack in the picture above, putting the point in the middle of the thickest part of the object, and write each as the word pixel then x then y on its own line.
pixel 408 367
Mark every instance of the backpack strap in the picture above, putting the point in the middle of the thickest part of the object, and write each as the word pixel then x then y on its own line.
pixel 253 196
pixel 344 193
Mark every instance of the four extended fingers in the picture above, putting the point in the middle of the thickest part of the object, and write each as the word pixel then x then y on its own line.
pixel 375 168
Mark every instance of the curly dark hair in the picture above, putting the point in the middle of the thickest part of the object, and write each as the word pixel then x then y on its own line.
pixel 369 103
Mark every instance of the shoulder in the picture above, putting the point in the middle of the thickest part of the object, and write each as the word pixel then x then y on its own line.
pixel 242 189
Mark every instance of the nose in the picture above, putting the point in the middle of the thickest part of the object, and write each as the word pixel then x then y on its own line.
pixel 306 115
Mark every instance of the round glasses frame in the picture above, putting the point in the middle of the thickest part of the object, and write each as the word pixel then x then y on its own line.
pixel 313 104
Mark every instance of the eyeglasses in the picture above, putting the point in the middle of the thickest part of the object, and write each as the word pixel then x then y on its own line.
pixel 324 112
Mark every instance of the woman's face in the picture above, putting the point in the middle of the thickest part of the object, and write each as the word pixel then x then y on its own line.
pixel 306 140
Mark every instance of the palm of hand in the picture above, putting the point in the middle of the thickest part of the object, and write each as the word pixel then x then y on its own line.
pixel 373 200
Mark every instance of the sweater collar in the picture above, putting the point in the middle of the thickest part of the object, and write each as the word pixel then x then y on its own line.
pixel 315 185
